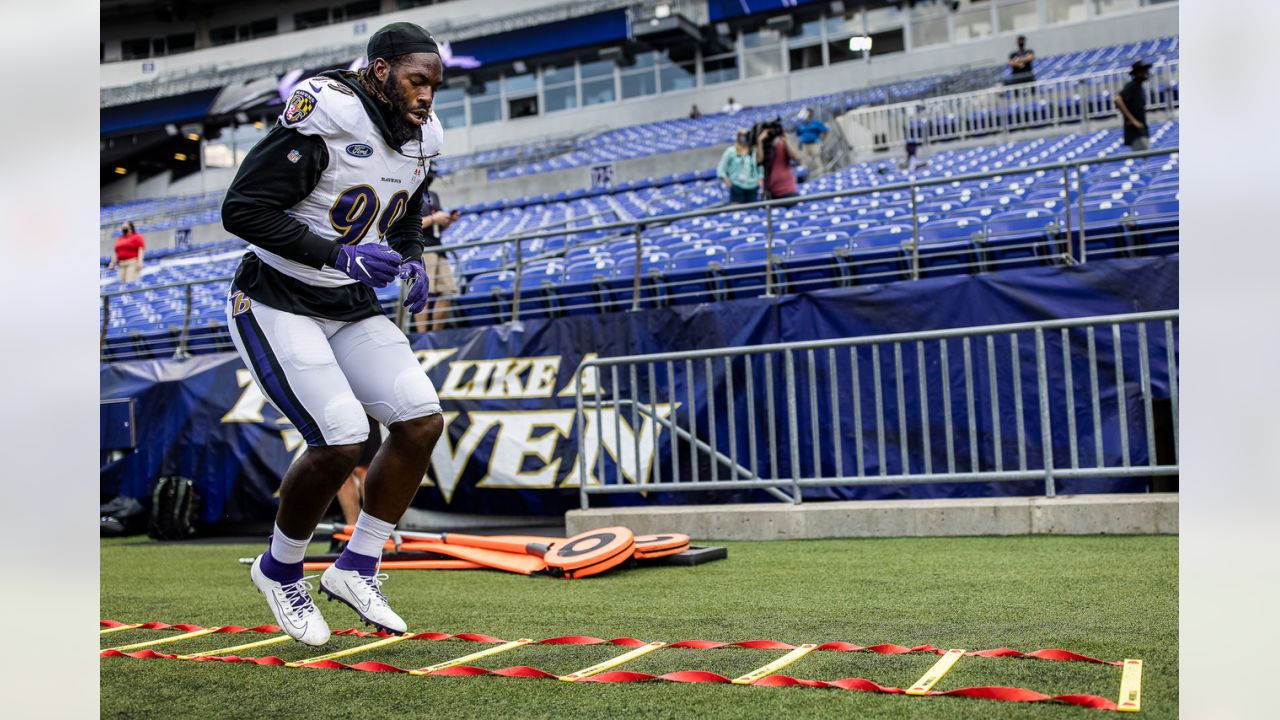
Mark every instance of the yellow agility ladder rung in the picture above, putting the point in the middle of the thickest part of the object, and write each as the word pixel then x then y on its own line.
pixel 472 657
pixel 352 651
pixel 1130 687
pixel 612 663
pixel 776 665
pixel 935 673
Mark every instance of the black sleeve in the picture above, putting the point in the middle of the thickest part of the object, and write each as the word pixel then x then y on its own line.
pixel 271 180
pixel 405 235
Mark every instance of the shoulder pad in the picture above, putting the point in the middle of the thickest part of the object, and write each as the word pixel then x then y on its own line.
pixel 316 107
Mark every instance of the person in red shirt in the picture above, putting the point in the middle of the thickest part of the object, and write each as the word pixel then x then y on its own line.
pixel 128 253
pixel 775 153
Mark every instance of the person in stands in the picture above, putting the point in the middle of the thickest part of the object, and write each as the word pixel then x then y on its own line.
pixel 776 153
pixel 1021 63
pixel 739 170
pixel 1132 104
pixel 812 133
pixel 127 256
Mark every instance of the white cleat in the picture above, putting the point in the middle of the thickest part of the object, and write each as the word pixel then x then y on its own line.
pixel 363 594
pixel 296 613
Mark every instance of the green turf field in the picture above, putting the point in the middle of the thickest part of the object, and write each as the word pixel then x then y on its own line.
pixel 1109 597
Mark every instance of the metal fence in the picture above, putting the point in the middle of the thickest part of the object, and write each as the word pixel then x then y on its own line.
pixel 1083 398
pixel 771 257
pixel 1081 99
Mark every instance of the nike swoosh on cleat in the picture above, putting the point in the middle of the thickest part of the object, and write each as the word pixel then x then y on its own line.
pixel 366 605
pixel 285 616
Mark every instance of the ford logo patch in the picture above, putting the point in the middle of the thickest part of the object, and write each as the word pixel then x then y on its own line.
pixel 359 150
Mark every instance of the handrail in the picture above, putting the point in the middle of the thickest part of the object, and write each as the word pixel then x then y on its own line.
pixel 637 225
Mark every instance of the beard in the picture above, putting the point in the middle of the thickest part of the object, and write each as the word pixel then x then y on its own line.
pixel 402 131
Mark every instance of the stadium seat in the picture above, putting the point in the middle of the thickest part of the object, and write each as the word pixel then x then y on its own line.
pixel 583 290
pixel 1020 238
pixel 817 261
pixel 948 247
pixel 693 275
pixel 487 297
pixel 1155 222
pixel 746 266
pixel 877 254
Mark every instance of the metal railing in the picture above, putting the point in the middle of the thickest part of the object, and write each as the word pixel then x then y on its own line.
pixel 1083 398
pixel 1068 237
pixel 1080 99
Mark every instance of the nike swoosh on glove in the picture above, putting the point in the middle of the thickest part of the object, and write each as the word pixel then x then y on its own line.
pixel 373 264
pixel 414 274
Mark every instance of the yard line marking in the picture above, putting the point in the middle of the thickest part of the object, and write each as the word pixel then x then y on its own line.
pixel 1130 687
pixel 612 663
pixel 473 656
pixel 351 651
pixel 118 628
pixel 935 673
pixel 237 648
pixel 162 641
pixel 776 665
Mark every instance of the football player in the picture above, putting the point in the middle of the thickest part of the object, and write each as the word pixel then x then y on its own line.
pixel 330 203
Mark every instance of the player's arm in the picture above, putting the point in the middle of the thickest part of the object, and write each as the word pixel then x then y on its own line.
pixel 281 170
pixel 405 234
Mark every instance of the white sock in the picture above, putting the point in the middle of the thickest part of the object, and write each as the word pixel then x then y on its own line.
pixel 287 551
pixel 370 536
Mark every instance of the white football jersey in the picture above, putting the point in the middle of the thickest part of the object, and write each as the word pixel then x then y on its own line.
pixel 367 184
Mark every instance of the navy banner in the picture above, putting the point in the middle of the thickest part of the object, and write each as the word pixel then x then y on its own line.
pixel 511 441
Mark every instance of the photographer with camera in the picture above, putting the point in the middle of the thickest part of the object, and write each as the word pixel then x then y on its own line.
pixel 775 153
pixel 739 170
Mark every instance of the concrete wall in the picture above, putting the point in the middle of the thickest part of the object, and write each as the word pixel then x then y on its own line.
pixel 1135 514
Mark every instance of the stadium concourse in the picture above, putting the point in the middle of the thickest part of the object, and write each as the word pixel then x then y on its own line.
pixel 915 412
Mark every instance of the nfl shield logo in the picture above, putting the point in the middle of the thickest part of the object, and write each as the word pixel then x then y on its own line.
pixel 294 156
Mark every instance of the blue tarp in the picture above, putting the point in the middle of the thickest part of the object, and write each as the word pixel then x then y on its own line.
pixel 511 440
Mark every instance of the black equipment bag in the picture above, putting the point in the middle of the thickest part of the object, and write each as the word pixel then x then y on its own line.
pixel 174 509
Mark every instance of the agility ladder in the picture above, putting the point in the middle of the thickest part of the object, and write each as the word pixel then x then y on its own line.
pixel 1130 685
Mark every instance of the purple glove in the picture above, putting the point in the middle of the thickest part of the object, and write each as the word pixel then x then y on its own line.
pixel 373 264
pixel 414 275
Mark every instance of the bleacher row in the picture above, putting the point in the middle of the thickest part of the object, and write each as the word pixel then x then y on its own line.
pixel 1020 217
pixel 660 137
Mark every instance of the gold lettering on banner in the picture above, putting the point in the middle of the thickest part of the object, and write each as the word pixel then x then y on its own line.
pixel 431 358
pixel 448 462
pixel 248 407
pixel 516 441
pixel 501 378
pixel 626 456
pixel 590 380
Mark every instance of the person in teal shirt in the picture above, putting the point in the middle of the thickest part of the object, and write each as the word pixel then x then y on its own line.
pixel 740 172
pixel 812 132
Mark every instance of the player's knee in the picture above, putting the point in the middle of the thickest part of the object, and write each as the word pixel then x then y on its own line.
pixel 420 432
pixel 345 455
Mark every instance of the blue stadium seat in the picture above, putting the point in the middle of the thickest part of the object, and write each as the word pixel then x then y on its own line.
pixel 1105 228
pixel 948 247
pixel 1021 237
pixel 1155 222
pixel 745 267
pixel 877 254
pixel 694 275
pixel 487 297
pixel 653 291
pixel 583 289
pixel 817 261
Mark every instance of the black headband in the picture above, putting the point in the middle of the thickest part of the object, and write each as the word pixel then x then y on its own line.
pixel 400 38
